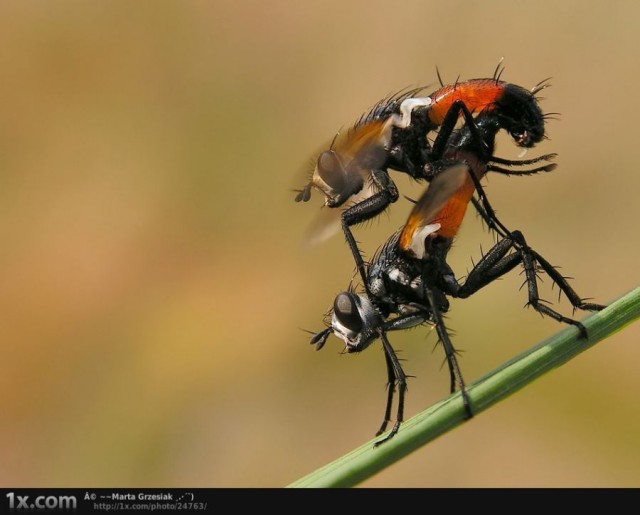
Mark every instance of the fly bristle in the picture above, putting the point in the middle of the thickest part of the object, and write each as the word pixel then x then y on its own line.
pixel 497 73
pixel 389 105
pixel 439 77
pixel 540 86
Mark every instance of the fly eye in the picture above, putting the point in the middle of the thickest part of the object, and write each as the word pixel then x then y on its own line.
pixel 331 170
pixel 346 311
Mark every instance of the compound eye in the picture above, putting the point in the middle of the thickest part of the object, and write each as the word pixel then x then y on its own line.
pixel 331 170
pixel 346 311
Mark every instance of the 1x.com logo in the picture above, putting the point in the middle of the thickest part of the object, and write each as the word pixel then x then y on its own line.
pixel 50 502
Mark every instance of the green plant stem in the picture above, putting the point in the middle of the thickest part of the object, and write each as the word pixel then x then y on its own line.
pixel 365 461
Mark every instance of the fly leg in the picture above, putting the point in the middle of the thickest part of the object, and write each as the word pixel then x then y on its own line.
pixel 576 301
pixel 398 378
pixel 498 261
pixel 450 353
pixel 448 126
pixel 365 210
pixel 491 167
pixel 396 375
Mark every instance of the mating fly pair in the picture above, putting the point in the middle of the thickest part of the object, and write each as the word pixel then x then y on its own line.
pixel 353 174
pixel 408 281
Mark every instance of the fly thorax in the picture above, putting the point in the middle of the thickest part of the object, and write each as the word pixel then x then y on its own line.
pixel 398 276
pixel 377 287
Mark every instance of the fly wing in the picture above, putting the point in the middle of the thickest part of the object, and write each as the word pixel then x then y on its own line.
pixel 440 209
pixel 343 173
pixel 328 222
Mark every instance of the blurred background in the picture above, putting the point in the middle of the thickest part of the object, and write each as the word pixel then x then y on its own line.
pixel 154 290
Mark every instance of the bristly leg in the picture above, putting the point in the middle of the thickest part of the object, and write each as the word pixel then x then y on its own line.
pixel 450 353
pixel 396 376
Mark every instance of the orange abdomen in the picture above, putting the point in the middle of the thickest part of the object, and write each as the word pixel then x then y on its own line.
pixel 444 203
pixel 477 94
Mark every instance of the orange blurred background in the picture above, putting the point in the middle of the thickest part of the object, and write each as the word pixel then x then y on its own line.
pixel 154 287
